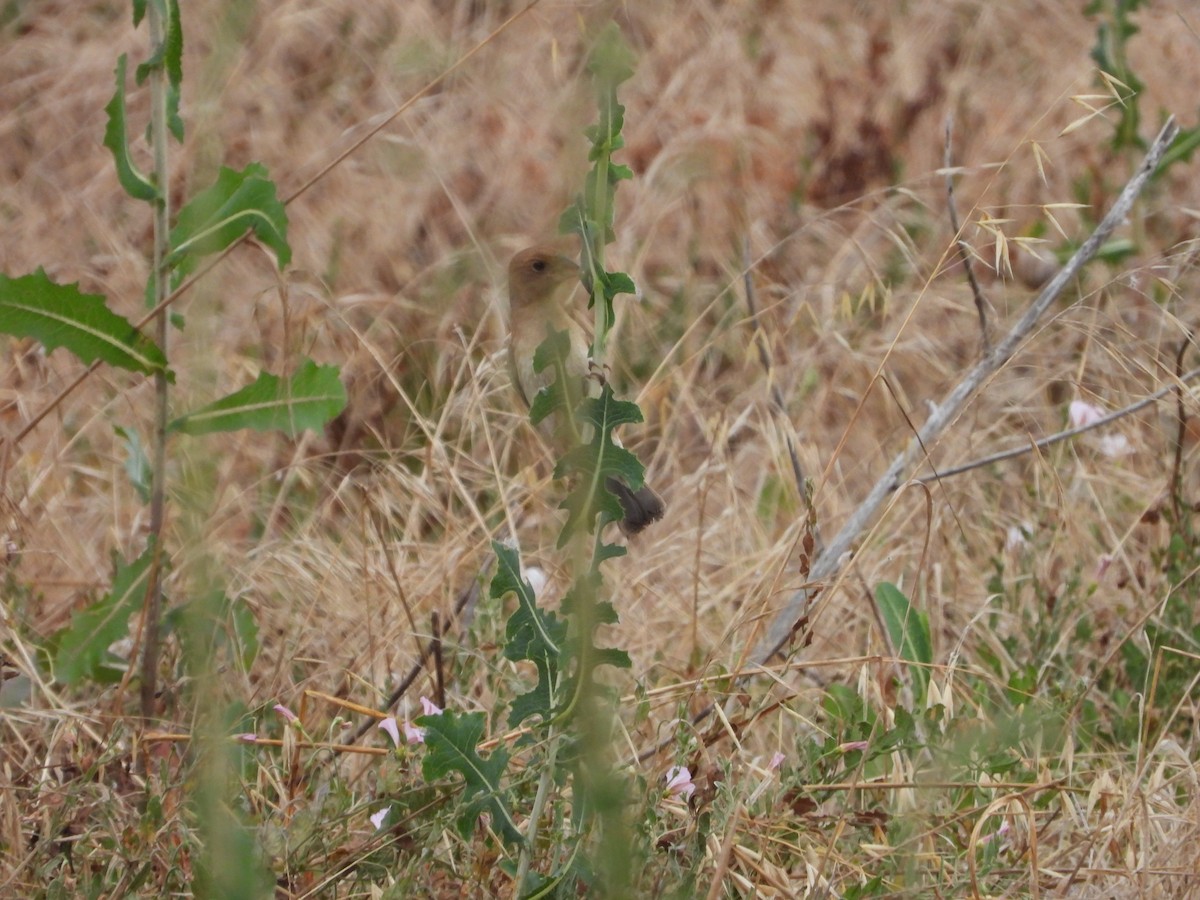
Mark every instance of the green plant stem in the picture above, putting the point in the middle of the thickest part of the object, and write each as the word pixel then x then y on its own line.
pixel 535 814
pixel 162 223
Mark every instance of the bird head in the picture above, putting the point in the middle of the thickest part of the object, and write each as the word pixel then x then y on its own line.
pixel 535 275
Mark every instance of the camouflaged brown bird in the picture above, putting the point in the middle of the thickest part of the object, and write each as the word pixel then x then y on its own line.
pixel 537 280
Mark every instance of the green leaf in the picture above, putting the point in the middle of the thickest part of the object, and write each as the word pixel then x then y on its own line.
pixel 81 649
pixel 219 216
pixel 136 184
pixel 312 397
pixel 139 12
pixel 562 395
pixel 532 634
pixel 61 315
pixel 908 629
pixel 451 742
pixel 137 464
pixel 596 461
pixel 168 56
pixel 212 623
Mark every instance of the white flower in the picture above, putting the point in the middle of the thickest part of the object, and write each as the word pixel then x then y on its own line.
pixel 1115 445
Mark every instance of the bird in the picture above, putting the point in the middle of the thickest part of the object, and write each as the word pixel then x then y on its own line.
pixel 537 277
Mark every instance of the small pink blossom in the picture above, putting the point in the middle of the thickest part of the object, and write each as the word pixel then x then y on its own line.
pixel 288 716
pixel 995 835
pixel 852 746
pixel 1102 564
pixel 380 817
pixel 679 781
pixel 1081 413
pixel 776 761
pixel 393 730
pixel 412 734
pixel 428 708
pixel 248 738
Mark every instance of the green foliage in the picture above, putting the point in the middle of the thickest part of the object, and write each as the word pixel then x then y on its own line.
pixel 563 393
pixel 116 138
pixel 592 214
pixel 1112 34
pixel 451 742
pixel 137 464
pixel 168 55
pixel 308 399
pixel 532 635
pixel 61 315
pixel 1110 53
pixel 908 629
pixel 81 650
pixel 212 624
pixel 217 217
pixel 593 463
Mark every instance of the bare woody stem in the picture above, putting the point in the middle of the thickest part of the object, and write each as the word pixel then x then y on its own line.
pixel 829 562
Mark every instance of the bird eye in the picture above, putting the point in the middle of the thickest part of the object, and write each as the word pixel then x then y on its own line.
pixel 539 265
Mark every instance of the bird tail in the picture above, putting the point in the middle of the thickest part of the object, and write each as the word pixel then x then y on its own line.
pixel 641 507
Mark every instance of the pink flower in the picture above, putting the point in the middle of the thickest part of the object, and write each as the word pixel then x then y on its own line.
pixel 428 708
pixel 378 818
pixel 776 761
pixel 852 746
pixel 1081 413
pixel 679 781
pixel 393 730
pixel 412 734
pixel 248 738
pixel 288 716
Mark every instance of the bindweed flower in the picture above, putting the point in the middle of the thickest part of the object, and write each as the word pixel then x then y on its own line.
pixel 380 817
pixel 679 781
pixel 852 746
pixel 428 708
pixel 288 716
pixel 1081 413
pixel 412 734
pixel 776 761
pixel 248 738
pixel 393 730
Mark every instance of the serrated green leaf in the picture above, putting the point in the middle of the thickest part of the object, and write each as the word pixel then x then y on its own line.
pixel 564 392
pixel 135 183
pixel 451 745
pixel 81 649
pixel 596 461
pixel 908 629
pixel 310 398
pixel 217 217
pixel 60 315
pixel 532 634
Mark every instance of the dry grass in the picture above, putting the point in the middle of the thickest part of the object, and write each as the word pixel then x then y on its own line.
pixel 811 129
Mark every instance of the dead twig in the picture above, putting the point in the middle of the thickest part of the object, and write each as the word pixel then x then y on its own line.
pixel 829 563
